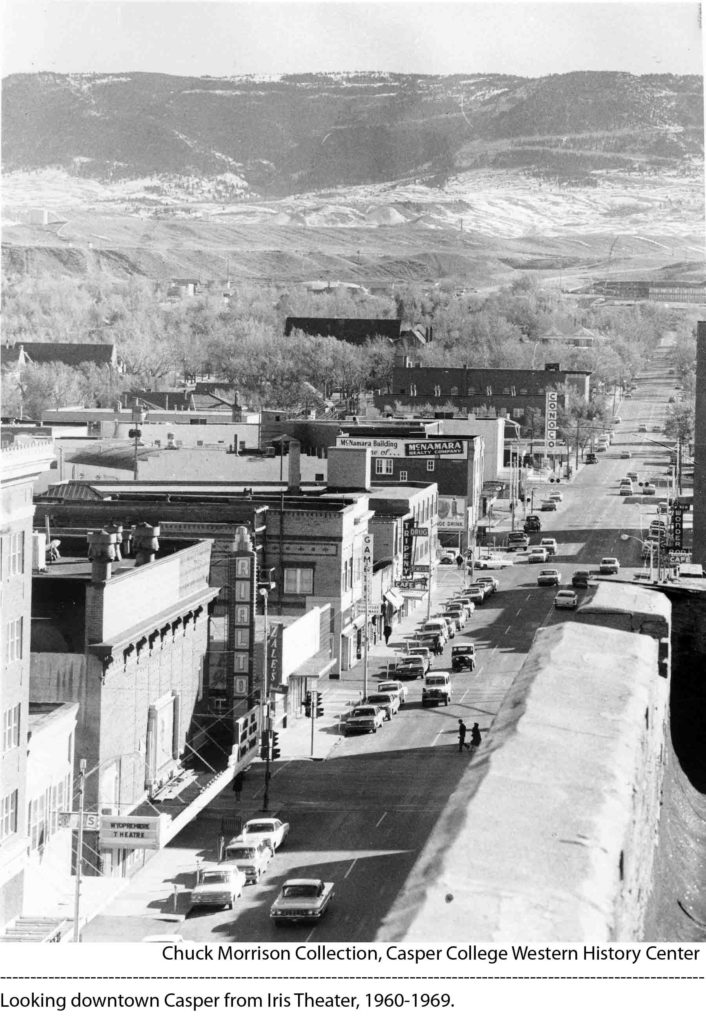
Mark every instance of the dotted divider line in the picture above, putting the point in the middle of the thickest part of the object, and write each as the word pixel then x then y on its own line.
pixel 353 977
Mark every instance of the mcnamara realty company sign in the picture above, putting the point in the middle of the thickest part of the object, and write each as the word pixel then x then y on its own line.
pixel 396 447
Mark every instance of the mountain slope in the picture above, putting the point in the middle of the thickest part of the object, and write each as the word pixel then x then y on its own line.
pixel 305 132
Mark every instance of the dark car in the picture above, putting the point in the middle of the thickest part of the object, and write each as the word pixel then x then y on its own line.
pixel 591 459
pixel 580 578
pixel 548 505
pixel 463 657
pixel 533 524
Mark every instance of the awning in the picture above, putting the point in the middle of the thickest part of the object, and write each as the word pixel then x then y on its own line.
pixel 314 667
pixel 394 598
pixel 356 624
pixel 415 594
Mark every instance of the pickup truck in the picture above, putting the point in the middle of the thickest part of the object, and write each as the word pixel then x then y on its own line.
pixel 396 688
pixel 517 539
pixel 301 899
pixel 436 688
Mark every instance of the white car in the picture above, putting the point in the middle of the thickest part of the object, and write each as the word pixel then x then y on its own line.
pixel 550 544
pixel 395 687
pixel 272 830
pixel 556 496
pixel 492 581
pixel 539 554
pixel 608 566
pixel 492 562
pixel 388 702
pixel 365 718
pixel 566 599
pixel 548 578
pixel 302 899
pixel 217 886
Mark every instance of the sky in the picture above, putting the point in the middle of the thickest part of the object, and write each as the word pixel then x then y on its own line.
pixel 228 38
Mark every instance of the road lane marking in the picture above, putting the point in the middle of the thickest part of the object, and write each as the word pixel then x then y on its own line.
pixel 352 865
pixel 436 737
pixel 507 630
pixel 380 819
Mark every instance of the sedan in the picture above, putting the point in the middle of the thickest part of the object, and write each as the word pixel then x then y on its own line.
pixel 387 702
pixel 649 489
pixel 548 505
pixel 272 830
pixel 365 718
pixel 580 578
pixel 626 455
pixel 476 594
pixel 493 581
pixel 538 555
pixel 556 496
pixel 550 544
pixel 566 599
pixel 412 667
pixel 609 566
pixel 549 578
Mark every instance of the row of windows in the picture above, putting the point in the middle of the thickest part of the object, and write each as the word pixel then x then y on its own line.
pixel 437 391
pixel 43 813
pixel 11 728
pixel 8 815
pixel 14 545
pixel 13 641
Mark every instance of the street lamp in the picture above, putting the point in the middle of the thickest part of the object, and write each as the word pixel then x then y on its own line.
pixel 631 536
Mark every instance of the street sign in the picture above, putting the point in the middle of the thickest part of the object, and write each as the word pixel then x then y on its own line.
pixel 71 819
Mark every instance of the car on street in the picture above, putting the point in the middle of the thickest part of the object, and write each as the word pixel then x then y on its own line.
pixel 601 446
pixel 251 856
pixel 550 544
pixel 436 688
pixel 411 667
pixel 272 830
pixel 608 566
pixel 431 638
pixel 625 491
pixel 580 578
pixel 649 489
pixel 423 652
pixel 463 657
pixel 591 459
pixel 476 593
pixel 492 581
pixel 217 886
pixel 458 613
pixel 517 540
pixel 556 496
pixel 303 900
pixel 533 524
pixel 449 556
pixel 625 482
pixel 464 601
pixel 395 687
pixel 566 599
pixel 548 505
pixel 657 428
pixel 364 718
pixel 486 584
pixel 538 554
pixel 632 476
pixel 549 578
pixel 492 562
pixel 438 622
pixel 642 429
pixel 451 625
pixel 625 454
pixel 389 702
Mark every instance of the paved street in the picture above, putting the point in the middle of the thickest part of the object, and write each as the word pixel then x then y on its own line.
pixel 361 813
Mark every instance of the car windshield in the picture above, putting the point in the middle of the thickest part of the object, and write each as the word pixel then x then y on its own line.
pixel 240 853
pixel 362 712
pixel 260 826
pixel 300 891
pixel 380 698
pixel 468 649
pixel 214 878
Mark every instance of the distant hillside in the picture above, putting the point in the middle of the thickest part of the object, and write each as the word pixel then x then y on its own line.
pixel 306 132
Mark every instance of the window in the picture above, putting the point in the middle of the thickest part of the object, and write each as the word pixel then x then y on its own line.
pixel 524 391
pixel 403 476
pixel 453 391
pixel 430 465
pixel 412 390
pixel 489 390
pixel 16 564
pixel 383 467
pixel 8 815
pixel 517 414
pixel 470 390
pixel 13 641
pixel 507 391
pixel 437 391
pixel 299 581
pixel 11 728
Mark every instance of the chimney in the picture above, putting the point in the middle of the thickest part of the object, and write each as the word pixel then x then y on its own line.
pixel 145 542
pixel 295 473
pixel 102 551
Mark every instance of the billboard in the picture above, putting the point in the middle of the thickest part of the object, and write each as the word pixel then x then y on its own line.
pixel 452 513
pixel 437 449
pixel 550 416
pixel 382 447
pixel 131 832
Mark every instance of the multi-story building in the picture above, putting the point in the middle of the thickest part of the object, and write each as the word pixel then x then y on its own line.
pixel 20 465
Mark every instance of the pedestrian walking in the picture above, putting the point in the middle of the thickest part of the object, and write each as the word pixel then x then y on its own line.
pixel 459 560
pixel 238 786
pixel 475 736
pixel 387 632
pixel 462 736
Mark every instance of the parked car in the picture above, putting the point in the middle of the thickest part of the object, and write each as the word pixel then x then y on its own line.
pixel 476 593
pixel 625 454
pixel 642 429
pixel 493 581
pixel 517 540
pixel 566 599
pixel 440 622
pixel 451 625
pixel 437 688
pixel 533 524
pixel 412 667
pixel 608 566
pixel 549 578
pixel 485 583
pixel 580 578
pixel 394 687
pixel 464 601
pixel 463 657
pixel 271 830
pixel 251 856
pixel 625 482
pixel 625 492
pixel 434 639
pixel 389 702
pixel 556 496
pixel 301 899
pixel 649 489
pixel 632 476
pixel 364 718
pixel 458 613
pixel 550 544
pixel 492 562
pixel 548 505
pixel 591 459
pixel 617 419
pixel 449 556
pixel 601 446
pixel 538 554
pixel 217 886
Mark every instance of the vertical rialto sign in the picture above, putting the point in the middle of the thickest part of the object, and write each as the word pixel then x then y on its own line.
pixel 550 411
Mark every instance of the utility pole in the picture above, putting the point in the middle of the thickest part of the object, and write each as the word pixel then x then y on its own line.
pixel 79 847
pixel 266 744
pixel 138 418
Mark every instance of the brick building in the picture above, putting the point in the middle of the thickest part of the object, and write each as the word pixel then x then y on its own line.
pixel 495 392
pixel 126 642
pixel 20 466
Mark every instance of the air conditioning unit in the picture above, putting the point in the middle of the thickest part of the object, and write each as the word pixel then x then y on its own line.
pixel 39 552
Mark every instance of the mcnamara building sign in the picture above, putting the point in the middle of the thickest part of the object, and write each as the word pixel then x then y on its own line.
pixel 396 447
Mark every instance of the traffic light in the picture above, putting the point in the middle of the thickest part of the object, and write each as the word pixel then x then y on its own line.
pixel 307 704
pixel 134 432
pixel 276 753
pixel 319 705
pixel 264 745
